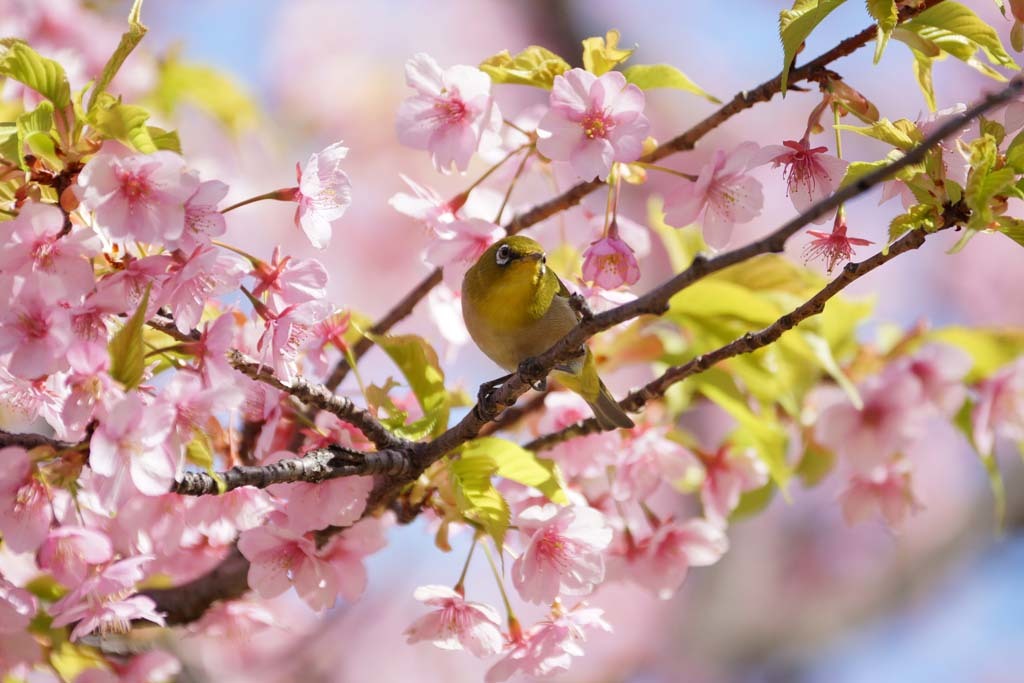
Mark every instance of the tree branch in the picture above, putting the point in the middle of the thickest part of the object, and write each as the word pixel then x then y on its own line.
pixel 30 441
pixel 687 140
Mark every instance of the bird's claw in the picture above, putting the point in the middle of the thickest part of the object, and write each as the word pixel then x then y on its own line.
pixel 542 385
pixel 578 303
pixel 487 407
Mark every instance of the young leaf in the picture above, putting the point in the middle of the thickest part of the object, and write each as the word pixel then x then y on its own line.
pixel 887 15
pixel 902 134
pixel 796 24
pixel 127 349
pixel 650 76
pixel 419 364
pixel 957 30
pixel 203 87
pixel 20 62
pixel 34 129
pixel 536 66
pixel 165 139
pixel 520 465
pixel 989 348
pixel 131 38
pixel 475 495
pixel 123 122
pixel 601 55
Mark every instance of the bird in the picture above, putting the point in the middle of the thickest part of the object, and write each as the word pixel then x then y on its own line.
pixel 515 308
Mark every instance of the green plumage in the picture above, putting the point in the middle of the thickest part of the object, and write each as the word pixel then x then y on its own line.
pixel 515 307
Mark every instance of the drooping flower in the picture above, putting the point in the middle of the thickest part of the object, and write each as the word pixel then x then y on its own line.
pixel 648 459
pixel 661 562
pixel 728 473
pixel 338 502
pixel 449 114
pixel 138 196
pixel 610 263
pixel 467 240
pixel 564 553
pixel 25 512
pixel 286 332
pixel 289 281
pixel 203 220
pixel 131 439
pixel 426 205
pixel 885 490
pixel 195 278
pixel 1000 408
pixel 327 333
pixel 324 194
pixel 593 122
pixel 811 174
pixel 722 196
pixel 346 553
pixel 36 331
pixel 69 551
pixel 833 247
pixel 105 600
pixel 941 368
pixel 456 624
pixel 549 646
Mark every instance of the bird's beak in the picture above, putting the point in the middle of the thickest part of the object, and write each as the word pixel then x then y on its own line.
pixel 537 256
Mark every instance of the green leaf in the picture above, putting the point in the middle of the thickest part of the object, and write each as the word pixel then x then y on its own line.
pixel 709 298
pixel 887 15
pixel 828 363
pixel 956 28
pixel 917 217
pixel 417 360
pixel 796 24
pixel 127 349
pixel 650 76
pixel 35 130
pixel 199 451
pixel 123 122
pixel 205 88
pixel 129 40
pixel 71 659
pixel 520 465
pixel 165 139
pixel 989 349
pixel 45 587
pixel 476 498
pixel 1012 228
pixel 815 465
pixel 536 66
pixel 1015 153
pixel 901 134
pixel 753 502
pixel 23 64
pixel 601 55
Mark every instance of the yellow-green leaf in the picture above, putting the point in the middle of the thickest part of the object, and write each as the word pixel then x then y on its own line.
pixel 477 499
pixel 205 88
pixel 71 659
pixel 796 24
pixel 127 348
pixel 710 298
pixel 989 349
pixel 123 122
pixel 959 31
pixel 23 64
pixel 536 66
pixel 165 139
pixel 887 15
pixel 902 134
pixel 199 451
pixel 132 37
pixel 515 463
pixel 35 130
pixel 650 76
pixel 828 363
pixel 601 55
pixel 417 360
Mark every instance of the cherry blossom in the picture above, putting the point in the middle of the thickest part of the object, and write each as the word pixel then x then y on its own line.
pixel 661 562
pixel 286 332
pixel 593 122
pixel 722 196
pixel 131 439
pixel 811 174
pixel 69 551
pixel 324 194
pixel 468 239
pixel 25 512
pixel 649 459
pixel 564 553
pixel 289 281
pixel 728 473
pixel 450 113
pixel 34 330
pixel 89 384
pixel 885 490
pixel 610 263
pixel 445 306
pixel 456 624
pixel 941 368
pixel 1000 408
pixel 203 220
pixel 345 553
pixel 585 456
pixel 833 247
pixel 549 646
pixel 193 279
pixel 137 196
pixel 426 205
pixel 327 333
pixel 338 502
pixel 105 601
pixel 17 645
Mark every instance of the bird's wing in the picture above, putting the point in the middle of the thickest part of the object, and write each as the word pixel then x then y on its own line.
pixel 564 293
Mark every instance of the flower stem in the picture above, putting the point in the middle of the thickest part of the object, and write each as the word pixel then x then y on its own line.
pixel 501 584
pixel 664 169
pixel 459 587
pixel 515 127
pixel 283 195
pixel 511 185
pixel 495 167
pixel 351 359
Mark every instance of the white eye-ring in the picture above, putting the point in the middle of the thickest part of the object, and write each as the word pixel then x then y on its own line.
pixel 503 255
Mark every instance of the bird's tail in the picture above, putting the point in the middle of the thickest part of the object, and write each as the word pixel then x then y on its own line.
pixel 608 413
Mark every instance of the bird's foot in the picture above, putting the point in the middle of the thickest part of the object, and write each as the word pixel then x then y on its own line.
pixel 487 407
pixel 578 303
pixel 531 372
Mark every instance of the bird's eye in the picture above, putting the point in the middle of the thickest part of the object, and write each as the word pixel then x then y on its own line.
pixel 503 255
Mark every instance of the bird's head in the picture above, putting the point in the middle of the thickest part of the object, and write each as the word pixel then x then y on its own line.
pixel 512 259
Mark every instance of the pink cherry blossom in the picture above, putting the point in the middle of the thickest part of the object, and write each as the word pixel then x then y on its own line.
pixel 811 174
pixel 131 439
pixel 593 122
pixel 886 490
pixel 279 558
pixel 585 456
pixel 215 338
pixel 286 332
pixel 104 601
pixel 324 194
pixel 456 624
pixel 17 607
pixel 610 263
pixel 29 399
pixel 235 620
pixel 192 279
pixel 449 114
pixel 564 553
pixel 648 459
pixel 661 562
pixel 468 240
pixel 346 551
pixel 728 473
pixel 833 247
pixel 445 307
pixel 35 247
pixel 426 205
pixel 25 512
pixel 289 281
pixel 1000 408
pixel 338 502
pixel 329 332
pixel 722 196
pixel 548 647
pixel 69 551
pixel 222 517
pixel 203 220
pixel 890 420
pixel 89 385
pixel 34 330
pixel 138 196
pixel 122 291
pixel 941 368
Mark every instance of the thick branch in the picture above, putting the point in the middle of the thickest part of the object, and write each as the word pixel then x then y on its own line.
pixel 813 70
pixel 30 441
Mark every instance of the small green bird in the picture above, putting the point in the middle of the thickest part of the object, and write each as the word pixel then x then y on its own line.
pixel 515 307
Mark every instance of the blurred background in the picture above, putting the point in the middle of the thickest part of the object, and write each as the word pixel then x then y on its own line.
pixel 801 596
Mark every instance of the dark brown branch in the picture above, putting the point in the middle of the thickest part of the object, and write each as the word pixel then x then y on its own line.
pixel 687 140
pixel 30 441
